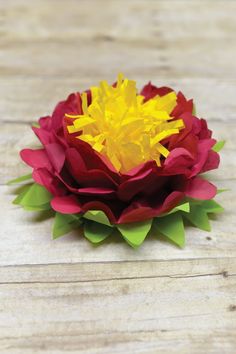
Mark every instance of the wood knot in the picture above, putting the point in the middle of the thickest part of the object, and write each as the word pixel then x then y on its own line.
pixel 232 307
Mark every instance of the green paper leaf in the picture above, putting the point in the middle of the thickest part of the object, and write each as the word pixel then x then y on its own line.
pixel 97 216
pixel 135 233
pixel 20 179
pixel 35 196
pixel 42 207
pixel 211 206
pixel 21 195
pixel 35 125
pixel 172 227
pixel 96 232
pixel 64 223
pixel 194 110
pixel 218 145
pixel 222 190
pixel 198 217
pixel 182 207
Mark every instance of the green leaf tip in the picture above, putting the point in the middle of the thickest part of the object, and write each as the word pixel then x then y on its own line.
pixel 64 223
pixel 172 227
pixel 222 190
pixel 96 232
pixel 34 197
pixel 97 216
pixel 20 179
pixel 35 125
pixel 135 233
pixel 185 207
pixel 198 217
pixel 211 206
pixel 218 145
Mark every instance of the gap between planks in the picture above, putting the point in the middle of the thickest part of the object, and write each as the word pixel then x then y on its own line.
pixel 63 273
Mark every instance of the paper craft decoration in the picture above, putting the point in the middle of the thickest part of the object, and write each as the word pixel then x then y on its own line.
pixel 113 159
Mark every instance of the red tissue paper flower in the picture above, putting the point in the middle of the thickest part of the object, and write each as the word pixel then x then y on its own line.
pixel 133 156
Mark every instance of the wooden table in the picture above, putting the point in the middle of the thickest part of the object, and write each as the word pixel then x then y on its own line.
pixel 66 296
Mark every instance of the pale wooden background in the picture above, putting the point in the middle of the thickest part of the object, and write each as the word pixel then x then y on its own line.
pixel 66 296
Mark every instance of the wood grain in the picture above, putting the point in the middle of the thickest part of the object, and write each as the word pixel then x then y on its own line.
pixel 67 296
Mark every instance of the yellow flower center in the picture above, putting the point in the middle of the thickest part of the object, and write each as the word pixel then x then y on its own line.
pixel 124 128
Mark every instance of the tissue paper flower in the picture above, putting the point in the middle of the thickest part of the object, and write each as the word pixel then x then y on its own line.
pixel 115 159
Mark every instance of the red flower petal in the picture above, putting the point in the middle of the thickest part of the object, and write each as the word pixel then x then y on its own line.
pixel 182 106
pixel 44 136
pixel 212 162
pixel 36 158
pixel 45 178
pixel 203 148
pixel 96 191
pixel 84 176
pixel 138 212
pixel 200 188
pixel 72 105
pixel 149 91
pixel 66 205
pixel 56 155
pixel 139 183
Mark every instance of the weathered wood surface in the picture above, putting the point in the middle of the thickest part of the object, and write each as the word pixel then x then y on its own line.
pixel 67 296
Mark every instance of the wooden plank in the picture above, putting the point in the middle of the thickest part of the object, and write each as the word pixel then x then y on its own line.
pixel 26 99
pixel 44 59
pixel 126 20
pixel 117 270
pixel 34 40
pixel 141 315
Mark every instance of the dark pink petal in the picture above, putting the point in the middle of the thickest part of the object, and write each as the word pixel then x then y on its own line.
pixel 75 160
pixel 189 143
pixel 45 122
pixel 203 148
pixel 96 191
pixel 149 91
pixel 140 211
pixel 36 158
pixel 108 164
pixel 200 188
pixel 66 205
pixel 56 155
pixel 179 161
pixel 134 185
pixel 70 106
pixel 175 139
pixel 212 161
pixel 182 106
pixel 45 178
pixel 92 159
pixel 139 169
pixel 44 136
pixel 85 177
pixel 175 154
pixel 204 133
pixel 171 201
pixel 89 97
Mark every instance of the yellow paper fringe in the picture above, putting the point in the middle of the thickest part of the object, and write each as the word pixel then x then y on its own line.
pixel 120 125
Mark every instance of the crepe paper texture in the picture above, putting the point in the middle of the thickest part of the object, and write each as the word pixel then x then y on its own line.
pixel 117 161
